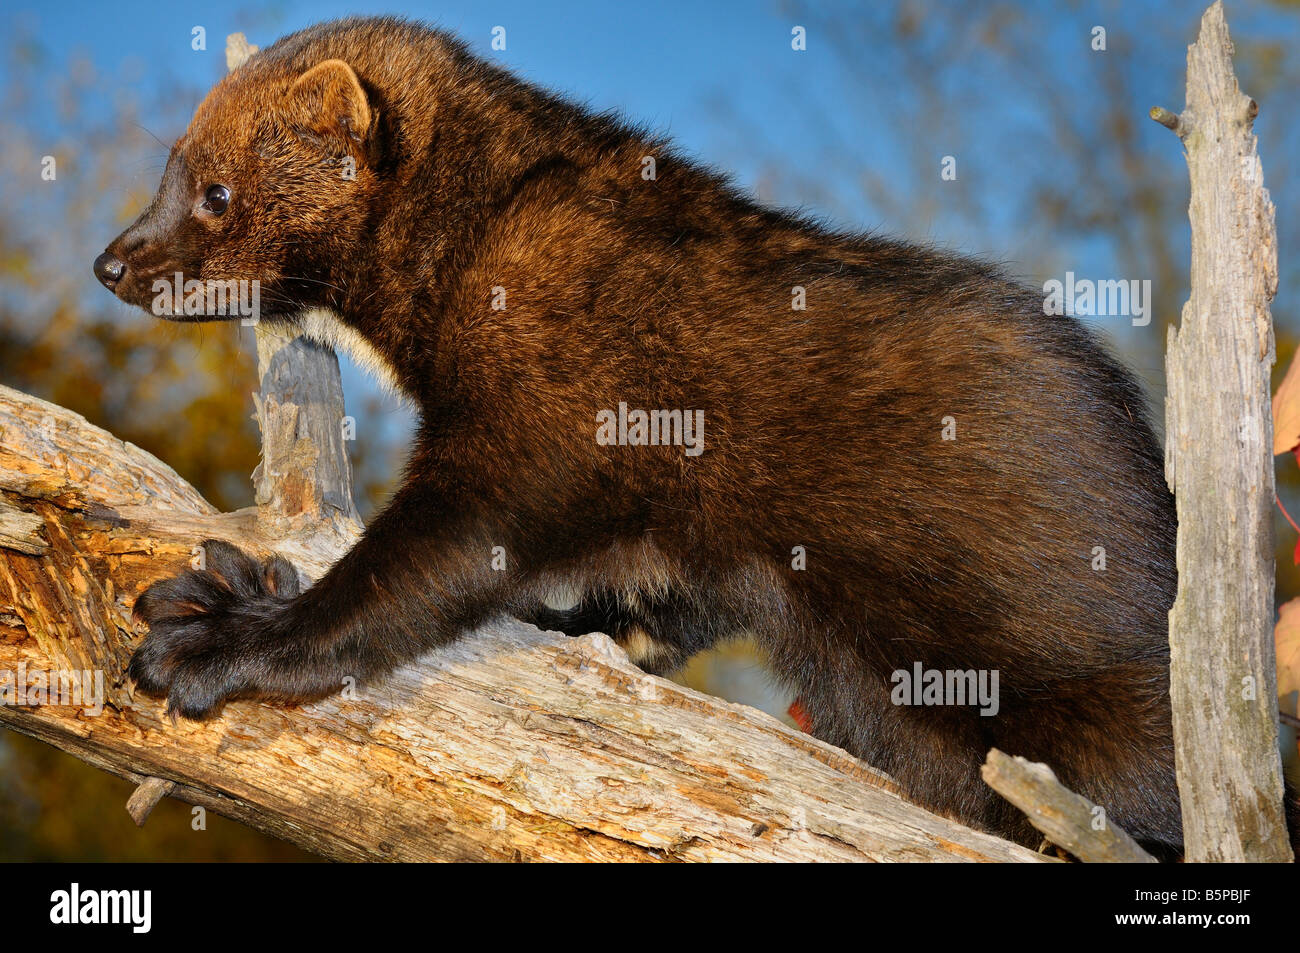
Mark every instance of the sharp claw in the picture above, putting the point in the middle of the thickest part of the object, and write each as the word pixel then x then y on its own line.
pixel 186 656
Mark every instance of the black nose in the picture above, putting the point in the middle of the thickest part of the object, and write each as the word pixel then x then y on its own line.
pixel 109 269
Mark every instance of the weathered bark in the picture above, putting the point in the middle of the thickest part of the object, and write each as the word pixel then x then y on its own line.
pixel 1219 463
pixel 304 481
pixel 1065 818
pixel 512 744
pixel 146 797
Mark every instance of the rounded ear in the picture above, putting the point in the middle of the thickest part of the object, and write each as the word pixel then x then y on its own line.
pixel 328 100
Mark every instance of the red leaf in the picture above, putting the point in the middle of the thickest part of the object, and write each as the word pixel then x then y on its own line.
pixel 1278 500
pixel 801 716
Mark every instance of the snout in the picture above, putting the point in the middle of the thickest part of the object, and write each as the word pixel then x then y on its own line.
pixel 109 269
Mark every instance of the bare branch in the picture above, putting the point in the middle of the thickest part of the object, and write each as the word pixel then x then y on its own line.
pixel 1065 818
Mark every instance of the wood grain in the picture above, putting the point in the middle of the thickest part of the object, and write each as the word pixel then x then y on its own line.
pixel 1065 818
pixel 1219 463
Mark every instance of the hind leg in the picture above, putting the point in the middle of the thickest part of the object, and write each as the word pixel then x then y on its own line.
pixel 1108 738
pixel 933 752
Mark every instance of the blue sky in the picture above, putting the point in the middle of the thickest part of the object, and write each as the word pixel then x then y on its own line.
pixel 672 63
pixel 659 62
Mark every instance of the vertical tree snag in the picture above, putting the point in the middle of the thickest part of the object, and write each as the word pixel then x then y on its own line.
pixel 304 482
pixel 1219 462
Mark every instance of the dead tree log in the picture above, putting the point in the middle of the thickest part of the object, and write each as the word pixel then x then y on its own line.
pixel 1219 463
pixel 513 744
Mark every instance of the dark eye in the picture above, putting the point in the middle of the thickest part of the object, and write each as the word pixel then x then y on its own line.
pixel 216 199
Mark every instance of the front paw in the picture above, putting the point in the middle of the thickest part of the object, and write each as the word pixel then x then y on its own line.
pixel 205 626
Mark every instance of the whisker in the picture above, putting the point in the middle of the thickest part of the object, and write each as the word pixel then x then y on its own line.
pixel 313 281
pixel 155 138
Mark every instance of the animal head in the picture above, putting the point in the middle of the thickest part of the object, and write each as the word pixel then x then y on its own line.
pixel 261 197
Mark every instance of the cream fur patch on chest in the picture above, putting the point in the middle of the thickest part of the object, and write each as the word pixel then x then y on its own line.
pixel 325 327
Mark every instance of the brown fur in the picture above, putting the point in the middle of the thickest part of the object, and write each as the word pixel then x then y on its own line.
pixel 822 427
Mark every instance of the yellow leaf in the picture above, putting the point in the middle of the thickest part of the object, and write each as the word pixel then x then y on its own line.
pixel 1286 411
pixel 1287 638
